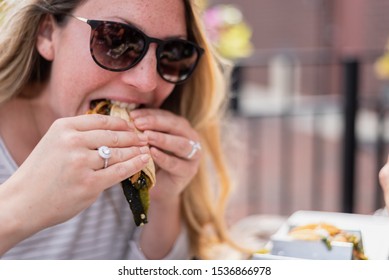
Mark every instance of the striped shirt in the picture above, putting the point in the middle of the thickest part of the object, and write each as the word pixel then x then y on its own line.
pixel 105 230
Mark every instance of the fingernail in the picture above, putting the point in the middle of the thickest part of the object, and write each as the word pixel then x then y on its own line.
pixel 142 137
pixel 145 157
pixel 144 150
pixel 134 114
pixel 150 135
pixel 140 121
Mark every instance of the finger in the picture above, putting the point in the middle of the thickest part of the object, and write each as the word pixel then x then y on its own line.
pixel 96 138
pixel 160 120
pixel 96 121
pixel 179 146
pixel 118 155
pixel 172 164
pixel 120 171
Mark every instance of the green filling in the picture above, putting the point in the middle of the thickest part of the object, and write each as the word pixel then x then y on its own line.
pixel 143 185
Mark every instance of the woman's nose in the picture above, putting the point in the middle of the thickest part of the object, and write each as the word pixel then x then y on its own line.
pixel 144 75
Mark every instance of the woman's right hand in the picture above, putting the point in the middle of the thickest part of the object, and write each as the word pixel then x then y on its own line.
pixel 64 174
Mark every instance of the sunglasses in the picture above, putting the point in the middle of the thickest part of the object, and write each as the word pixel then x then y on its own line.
pixel 117 47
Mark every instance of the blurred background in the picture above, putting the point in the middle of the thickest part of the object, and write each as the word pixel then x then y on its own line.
pixel 307 124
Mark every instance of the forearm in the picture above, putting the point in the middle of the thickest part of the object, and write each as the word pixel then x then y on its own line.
pixel 9 235
pixel 160 234
pixel 14 228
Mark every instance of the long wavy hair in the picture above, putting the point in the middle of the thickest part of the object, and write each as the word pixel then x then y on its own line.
pixel 201 100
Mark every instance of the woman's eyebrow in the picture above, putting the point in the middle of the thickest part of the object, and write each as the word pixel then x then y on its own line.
pixel 130 23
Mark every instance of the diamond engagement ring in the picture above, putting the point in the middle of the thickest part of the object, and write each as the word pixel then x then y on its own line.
pixel 105 154
pixel 195 147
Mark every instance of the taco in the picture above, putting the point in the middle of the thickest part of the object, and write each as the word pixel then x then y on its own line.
pixel 136 188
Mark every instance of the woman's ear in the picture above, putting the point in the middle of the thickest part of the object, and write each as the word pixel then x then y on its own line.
pixel 45 44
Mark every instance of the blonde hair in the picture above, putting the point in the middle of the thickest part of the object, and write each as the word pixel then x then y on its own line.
pixel 20 63
pixel 201 100
pixel 203 103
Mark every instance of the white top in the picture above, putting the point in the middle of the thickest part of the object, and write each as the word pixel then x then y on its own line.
pixel 105 230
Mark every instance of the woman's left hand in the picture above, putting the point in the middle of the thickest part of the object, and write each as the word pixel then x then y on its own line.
pixel 384 181
pixel 171 140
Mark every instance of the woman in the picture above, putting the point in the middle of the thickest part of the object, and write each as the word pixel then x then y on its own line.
pixel 57 201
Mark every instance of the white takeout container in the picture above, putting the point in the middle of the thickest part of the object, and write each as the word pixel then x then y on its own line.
pixel 286 247
pixel 374 231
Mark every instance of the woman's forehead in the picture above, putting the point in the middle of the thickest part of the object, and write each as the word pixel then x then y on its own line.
pixel 157 18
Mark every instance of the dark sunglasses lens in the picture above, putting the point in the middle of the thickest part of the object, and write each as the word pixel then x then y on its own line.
pixel 115 46
pixel 177 60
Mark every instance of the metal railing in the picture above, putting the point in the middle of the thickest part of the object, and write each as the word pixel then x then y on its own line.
pixel 337 88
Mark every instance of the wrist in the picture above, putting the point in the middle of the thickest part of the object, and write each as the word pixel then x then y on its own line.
pixel 10 224
pixel 14 218
pixel 165 204
pixel 160 234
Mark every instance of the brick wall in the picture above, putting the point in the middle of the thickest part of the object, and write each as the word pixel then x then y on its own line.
pixel 339 24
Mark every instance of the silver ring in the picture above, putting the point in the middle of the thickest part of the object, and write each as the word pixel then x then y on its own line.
pixel 195 147
pixel 105 154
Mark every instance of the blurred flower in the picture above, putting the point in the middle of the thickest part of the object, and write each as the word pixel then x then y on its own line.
pixel 228 31
pixel 381 66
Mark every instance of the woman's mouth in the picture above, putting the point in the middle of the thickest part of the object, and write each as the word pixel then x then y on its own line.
pixel 121 104
pixel 124 105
